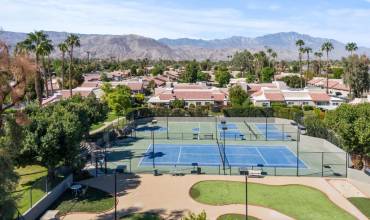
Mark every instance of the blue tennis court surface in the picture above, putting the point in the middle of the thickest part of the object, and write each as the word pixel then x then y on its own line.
pixel 273 133
pixel 229 126
pixel 232 134
pixel 208 155
pixel 151 128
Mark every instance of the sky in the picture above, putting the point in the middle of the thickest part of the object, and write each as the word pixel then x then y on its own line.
pixel 343 20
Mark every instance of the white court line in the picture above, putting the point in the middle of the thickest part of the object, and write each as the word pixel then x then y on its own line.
pixel 146 152
pixel 261 156
pixel 178 157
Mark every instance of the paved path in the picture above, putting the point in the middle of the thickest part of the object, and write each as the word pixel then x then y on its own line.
pixel 169 196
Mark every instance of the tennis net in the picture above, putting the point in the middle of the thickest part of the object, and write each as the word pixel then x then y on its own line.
pixel 221 149
pixel 250 129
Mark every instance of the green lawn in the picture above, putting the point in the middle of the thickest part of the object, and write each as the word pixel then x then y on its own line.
pixel 94 201
pixel 32 175
pixel 235 217
pixel 363 204
pixel 111 117
pixel 141 216
pixel 297 201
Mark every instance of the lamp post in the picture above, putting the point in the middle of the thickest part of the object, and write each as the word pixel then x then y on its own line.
pixel 224 128
pixel 153 151
pixel 115 195
pixel 246 196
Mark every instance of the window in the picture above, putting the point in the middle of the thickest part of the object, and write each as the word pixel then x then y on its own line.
pixel 305 103
pixel 265 104
pixel 335 103
pixel 198 103
pixel 290 103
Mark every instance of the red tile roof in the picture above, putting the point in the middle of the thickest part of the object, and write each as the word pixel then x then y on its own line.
pixel 192 95
pixel 317 97
pixel 275 97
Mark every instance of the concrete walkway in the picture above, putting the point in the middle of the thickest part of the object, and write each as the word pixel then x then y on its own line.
pixel 169 196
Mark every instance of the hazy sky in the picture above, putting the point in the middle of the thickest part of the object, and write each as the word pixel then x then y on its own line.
pixel 344 20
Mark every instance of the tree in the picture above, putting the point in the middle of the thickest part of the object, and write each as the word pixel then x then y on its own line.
pixel 133 70
pixel 104 77
pixel 358 69
pixel 206 65
pixel 243 61
pixel 350 122
pixel 177 103
pixel 158 69
pixel 119 99
pixel 237 96
pixel 267 74
pixel 351 48
pixel 139 99
pixel 36 42
pixel 300 43
pixel 72 41
pixel 293 81
pixel 63 49
pixel 202 76
pixel 15 73
pixel 308 50
pixel 191 72
pixel 327 47
pixel 319 55
pixel 223 76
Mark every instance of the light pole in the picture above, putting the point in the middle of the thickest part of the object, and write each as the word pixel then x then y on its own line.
pixel 115 195
pixel 246 195
pixel 224 128
pixel 153 151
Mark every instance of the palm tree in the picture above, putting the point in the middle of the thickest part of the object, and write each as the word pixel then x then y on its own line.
pixel 36 42
pixel 308 50
pixel 47 49
pixel 72 41
pixel 319 55
pixel 300 43
pixel 63 47
pixel 327 47
pixel 269 51
pixel 274 56
pixel 351 47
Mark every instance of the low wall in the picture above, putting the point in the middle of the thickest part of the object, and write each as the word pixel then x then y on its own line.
pixel 43 204
pixel 360 179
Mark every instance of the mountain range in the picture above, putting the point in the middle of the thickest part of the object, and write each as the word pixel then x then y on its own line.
pixel 139 47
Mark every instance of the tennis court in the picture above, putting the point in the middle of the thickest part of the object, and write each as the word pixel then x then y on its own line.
pixel 209 155
pixel 271 132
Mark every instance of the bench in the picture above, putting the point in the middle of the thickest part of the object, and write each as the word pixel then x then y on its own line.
pixel 254 173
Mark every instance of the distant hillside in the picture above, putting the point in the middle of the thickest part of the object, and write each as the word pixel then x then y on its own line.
pixel 138 47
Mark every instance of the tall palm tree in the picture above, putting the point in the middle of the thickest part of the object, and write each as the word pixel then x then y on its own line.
pixel 307 50
pixel 36 42
pixel 274 56
pixel 351 47
pixel 318 54
pixel 47 49
pixel 72 41
pixel 327 47
pixel 63 47
pixel 300 43
pixel 269 51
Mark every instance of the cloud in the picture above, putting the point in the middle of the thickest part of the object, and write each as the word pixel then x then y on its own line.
pixel 211 19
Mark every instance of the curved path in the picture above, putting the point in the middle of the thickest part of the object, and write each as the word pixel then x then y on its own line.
pixel 169 196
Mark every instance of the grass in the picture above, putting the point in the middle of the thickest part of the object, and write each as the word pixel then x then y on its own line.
pixel 235 217
pixel 32 175
pixel 141 216
pixel 297 201
pixel 94 201
pixel 363 204
pixel 111 117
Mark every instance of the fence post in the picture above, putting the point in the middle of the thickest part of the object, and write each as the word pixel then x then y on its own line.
pixel 322 164
pixel 346 164
pixel 31 196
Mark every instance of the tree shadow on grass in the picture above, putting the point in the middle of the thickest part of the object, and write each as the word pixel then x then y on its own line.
pixel 153 214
